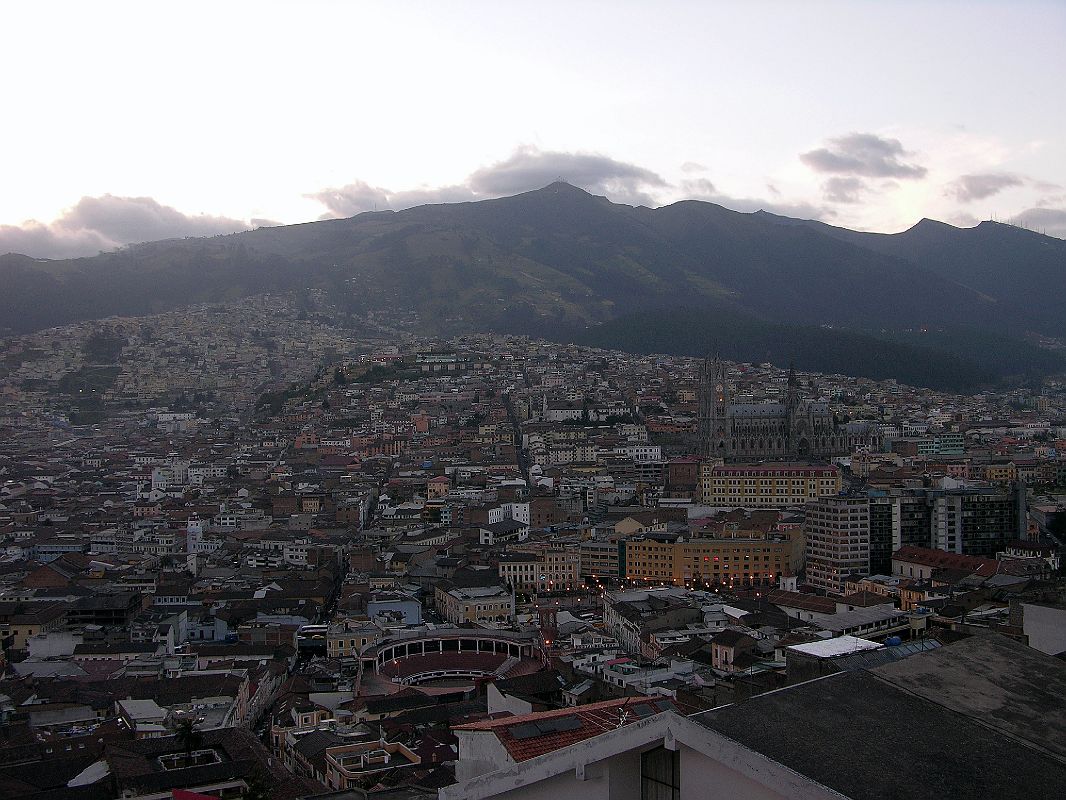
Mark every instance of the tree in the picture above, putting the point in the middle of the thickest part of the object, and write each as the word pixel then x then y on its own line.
pixel 188 736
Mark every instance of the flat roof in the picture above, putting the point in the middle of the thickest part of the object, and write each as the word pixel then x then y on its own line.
pixel 867 739
pixel 837 646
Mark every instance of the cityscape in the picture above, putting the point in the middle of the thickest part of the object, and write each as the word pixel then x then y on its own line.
pixel 374 561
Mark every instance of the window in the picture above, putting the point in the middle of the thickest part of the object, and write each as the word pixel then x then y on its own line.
pixel 660 774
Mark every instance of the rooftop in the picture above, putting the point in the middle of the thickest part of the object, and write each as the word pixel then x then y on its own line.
pixel 838 646
pixel 531 735
pixel 867 739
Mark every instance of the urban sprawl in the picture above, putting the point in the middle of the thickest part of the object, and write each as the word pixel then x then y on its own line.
pixel 255 549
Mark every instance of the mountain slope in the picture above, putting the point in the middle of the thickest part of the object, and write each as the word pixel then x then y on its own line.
pixel 955 360
pixel 1022 272
pixel 559 255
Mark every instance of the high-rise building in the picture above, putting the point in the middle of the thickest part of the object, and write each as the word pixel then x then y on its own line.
pixel 974 523
pixel 837 531
pixel 881 528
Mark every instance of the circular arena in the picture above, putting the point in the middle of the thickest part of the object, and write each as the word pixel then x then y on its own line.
pixel 414 657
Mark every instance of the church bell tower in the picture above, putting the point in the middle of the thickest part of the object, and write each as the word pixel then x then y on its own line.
pixel 714 409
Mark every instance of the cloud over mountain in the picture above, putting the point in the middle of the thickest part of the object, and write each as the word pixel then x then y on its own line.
pixel 530 168
pixel 107 222
pixel 526 169
pixel 359 196
pixel 844 189
pixel 967 188
pixel 863 154
pixel 1051 221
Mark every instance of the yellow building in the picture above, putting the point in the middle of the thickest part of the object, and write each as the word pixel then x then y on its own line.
pixel 1001 473
pixel 475 604
pixel 22 624
pixel 348 638
pixel 770 485
pixel 548 571
pixel 752 560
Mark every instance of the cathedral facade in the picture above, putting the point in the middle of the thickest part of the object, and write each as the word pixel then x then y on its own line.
pixel 795 430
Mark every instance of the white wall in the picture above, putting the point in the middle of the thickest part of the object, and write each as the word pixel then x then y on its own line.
pixel 498 701
pixel 1046 628
pixel 479 752
pixel 699 773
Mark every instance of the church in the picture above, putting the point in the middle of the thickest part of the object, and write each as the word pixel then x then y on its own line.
pixel 796 429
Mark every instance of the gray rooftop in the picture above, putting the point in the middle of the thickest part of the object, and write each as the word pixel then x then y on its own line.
pixel 869 740
pixel 994 680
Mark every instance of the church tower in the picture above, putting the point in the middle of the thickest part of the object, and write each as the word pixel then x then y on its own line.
pixel 792 404
pixel 713 423
pixel 797 424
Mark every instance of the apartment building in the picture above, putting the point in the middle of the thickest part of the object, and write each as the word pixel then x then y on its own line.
pixel 752 559
pixel 548 571
pixel 475 604
pixel 837 531
pixel 766 485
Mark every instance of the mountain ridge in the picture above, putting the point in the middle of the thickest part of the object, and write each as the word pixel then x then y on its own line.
pixel 562 258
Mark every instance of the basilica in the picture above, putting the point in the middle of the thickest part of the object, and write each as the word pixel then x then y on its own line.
pixel 796 429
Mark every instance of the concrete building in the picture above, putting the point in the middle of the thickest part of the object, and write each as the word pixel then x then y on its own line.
pixel 771 485
pixel 547 571
pixel 837 532
pixel 475 604
pixel 744 560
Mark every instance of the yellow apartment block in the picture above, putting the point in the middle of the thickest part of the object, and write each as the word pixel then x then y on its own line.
pixel 770 485
pixel 752 561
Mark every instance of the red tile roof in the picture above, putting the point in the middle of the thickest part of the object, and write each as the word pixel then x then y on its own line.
pixel 985 567
pixel 591 720
pixel 865 599
pixel 805 602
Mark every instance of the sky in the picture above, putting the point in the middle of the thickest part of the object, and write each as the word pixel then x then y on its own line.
pixel 126 122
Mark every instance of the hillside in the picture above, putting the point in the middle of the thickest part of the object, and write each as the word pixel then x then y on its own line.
pixel 559 258
pixel 1023 272
pixel 948 360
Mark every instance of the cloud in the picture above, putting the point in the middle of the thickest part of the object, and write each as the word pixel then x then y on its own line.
pixel 33 238
pixel 698 188
pixel 963 220
pixel 526 169
pixel 967 188
pixel 107 222
pixel 863 154
pixel 844 189
pixel 530 168
pixel 360 196
pixel 1051 221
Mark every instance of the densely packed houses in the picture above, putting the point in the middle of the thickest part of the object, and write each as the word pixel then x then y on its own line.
pixel 248 548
